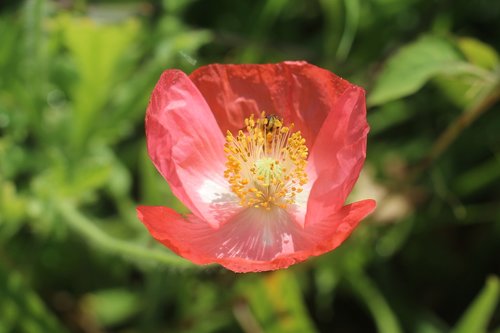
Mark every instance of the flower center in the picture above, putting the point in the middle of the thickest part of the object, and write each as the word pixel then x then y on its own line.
pixel 266 163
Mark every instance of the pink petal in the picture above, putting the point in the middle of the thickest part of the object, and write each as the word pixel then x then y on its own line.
pixel 295 90
pixel 338 155
pixel 186 146
pixel 250 244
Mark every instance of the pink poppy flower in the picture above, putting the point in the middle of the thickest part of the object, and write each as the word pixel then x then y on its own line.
pixel 264 156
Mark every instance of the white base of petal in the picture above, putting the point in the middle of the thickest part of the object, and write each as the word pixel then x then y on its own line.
pixel 260 234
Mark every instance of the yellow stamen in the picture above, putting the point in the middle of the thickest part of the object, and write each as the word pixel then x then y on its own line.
pixel 266 164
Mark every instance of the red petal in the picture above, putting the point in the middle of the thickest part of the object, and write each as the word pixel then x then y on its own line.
pixel 242 246
pixel 186 146
pixel 297 91
pixel 170 228
pixel 338 155
pixel 334 229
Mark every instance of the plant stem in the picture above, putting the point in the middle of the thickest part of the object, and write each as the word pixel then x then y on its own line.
pixel 385 319
pixel 456 127
pixel 84 226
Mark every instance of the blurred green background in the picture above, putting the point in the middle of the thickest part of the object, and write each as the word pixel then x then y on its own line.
pixel 75 79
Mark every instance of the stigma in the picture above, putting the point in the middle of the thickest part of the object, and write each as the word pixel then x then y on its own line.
pixel 266 163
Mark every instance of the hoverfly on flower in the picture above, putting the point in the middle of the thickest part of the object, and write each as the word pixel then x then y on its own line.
pixel 273 122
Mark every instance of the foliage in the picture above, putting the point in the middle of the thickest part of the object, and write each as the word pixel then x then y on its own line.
pixel 75 81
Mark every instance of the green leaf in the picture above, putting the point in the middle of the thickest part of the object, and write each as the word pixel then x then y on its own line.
pixel 97 50
pixel 369 294
pixel 270 12
pixel 464 89
pixel 388 116
pixel 410 68
pixel 476 317
pixel 112 306
pixel 79 181
pixel 426 327
pixel 478 53
pixel 276 302
pixel 91 174
pixel 10 39
pixel 352 13
pixel 478 177
pixel 195 305
pixel 13 207
pixel 21 310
